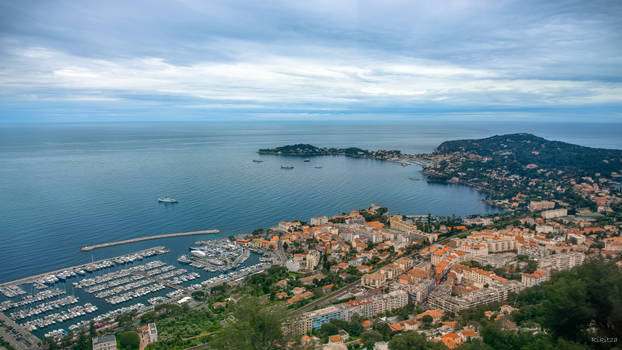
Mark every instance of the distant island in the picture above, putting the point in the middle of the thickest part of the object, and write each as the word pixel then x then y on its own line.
pixel 307 150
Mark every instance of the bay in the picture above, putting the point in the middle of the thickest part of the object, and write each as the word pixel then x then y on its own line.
pixel 63 186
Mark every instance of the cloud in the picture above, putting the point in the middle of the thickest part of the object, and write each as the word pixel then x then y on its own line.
pixel 288 57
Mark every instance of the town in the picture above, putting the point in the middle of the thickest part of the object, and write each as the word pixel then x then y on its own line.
pixel 371 279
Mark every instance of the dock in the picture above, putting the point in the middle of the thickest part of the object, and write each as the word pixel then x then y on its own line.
pixel 33 278
pixel 88 248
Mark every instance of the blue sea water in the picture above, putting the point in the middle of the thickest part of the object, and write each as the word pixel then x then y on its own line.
pixel 63 186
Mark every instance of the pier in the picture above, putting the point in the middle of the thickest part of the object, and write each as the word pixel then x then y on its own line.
pixel 140 239
pixel 33 278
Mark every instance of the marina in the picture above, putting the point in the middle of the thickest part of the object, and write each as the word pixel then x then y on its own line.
pixel 216 255
pixel 55 276
pixel 47 304
pixel 102 320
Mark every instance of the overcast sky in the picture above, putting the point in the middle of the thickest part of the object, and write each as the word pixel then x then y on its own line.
pixel 206 60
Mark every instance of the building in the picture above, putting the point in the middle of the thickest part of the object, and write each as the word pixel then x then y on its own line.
pixel 478 221
pixel 319 220
pixel 535 278
pixel 545 229
pixel 561 261
pixel 149 333
pixel 436 314
pixel 374 280
pixel 364 307
pixel 397 223
pixel 555 213
pixel 312 260
pixel 613 244
pixel 442 297
pixel 541 205
pixel 106 342
pixel 501 244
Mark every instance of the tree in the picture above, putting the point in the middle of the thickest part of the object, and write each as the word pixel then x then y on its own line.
pixel 198 295
pixel 83 342
pixel 148 317
pixel 384 329
pixel 92 329
pixel 355 328
pixel 412 341
pixel 129 340
pixel 51 343
pixel 577 304
pixel 256 326
pixel 427 319
pixel 329 328
pixel 126 320
pixel 370 337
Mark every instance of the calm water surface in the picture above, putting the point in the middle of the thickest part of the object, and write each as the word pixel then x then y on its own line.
pixel 65 186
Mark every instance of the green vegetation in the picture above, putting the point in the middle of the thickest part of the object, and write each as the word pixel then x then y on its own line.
pixel 518 150
pixel 577 304
pixel 255 325
pixel 566 312
pixel 379 215
pixel 353 327
pixel 413 341
pixel 265 283
pixel 310 150
pixel 6 345
pixel 128 340
pixel 179 328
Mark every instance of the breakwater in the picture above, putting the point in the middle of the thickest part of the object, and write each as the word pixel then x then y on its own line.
pixel 146 238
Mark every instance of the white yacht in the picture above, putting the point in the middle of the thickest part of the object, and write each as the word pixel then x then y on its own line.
pixel 167 200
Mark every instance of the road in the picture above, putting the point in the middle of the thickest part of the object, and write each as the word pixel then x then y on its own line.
pixel 328 298
pixel 28 341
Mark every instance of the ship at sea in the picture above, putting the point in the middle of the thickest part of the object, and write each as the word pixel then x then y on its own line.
pixel 307 160
pixel 257 161
pixel 167 200
pixel 287 166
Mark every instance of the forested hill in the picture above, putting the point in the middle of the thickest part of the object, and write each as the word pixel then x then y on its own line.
pixel 524 149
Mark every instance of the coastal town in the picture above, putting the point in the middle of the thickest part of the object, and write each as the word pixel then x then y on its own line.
pixel 368 278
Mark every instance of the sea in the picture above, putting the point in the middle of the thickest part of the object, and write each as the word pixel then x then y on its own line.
pixel 63 186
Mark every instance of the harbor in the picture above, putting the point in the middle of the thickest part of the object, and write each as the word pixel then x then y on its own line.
pixel 215 255
pixel 12 289
pixel 51 303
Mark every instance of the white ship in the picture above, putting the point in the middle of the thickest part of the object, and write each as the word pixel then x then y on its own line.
pixel 167 200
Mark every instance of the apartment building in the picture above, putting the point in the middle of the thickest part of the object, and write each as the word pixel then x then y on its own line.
pixel 562 261
pixel 541 205
pixel 555 213
pixel 106 342
pixel 535 278
pixel 319 220
pixel 364 307
pixel 374 280
pixel 442 297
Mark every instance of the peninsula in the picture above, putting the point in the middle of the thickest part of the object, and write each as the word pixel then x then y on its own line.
pixel 307 150
pixel 502 166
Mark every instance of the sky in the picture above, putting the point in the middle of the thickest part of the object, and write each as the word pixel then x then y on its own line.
pixel 67 61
